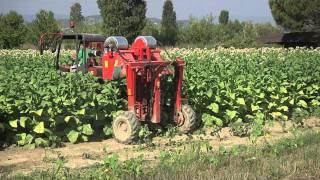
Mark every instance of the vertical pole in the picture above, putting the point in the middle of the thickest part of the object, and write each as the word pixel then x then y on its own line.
pixel 156 103
pixel 131 89
pixel 179 78
pixel 58 56
pixel 85 57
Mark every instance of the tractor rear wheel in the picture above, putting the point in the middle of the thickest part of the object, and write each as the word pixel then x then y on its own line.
pixel 189 121
pixel 126 127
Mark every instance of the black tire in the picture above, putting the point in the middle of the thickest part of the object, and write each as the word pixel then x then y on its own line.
pixel 125 127
pixel 189 119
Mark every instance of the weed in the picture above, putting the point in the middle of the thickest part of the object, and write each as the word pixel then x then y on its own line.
pixel 298 116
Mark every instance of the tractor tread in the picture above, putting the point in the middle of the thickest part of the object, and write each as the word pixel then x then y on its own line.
pixel 133 123
pixel 190 121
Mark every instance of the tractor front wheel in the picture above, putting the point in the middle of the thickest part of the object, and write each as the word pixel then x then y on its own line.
pixel 126 127
pixel 189 119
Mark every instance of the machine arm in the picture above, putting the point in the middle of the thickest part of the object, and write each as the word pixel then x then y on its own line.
pixel 44 36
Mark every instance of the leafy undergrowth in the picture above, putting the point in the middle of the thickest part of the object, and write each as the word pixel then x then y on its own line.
pixel 292 158
pixel 242 89
pixel 41 107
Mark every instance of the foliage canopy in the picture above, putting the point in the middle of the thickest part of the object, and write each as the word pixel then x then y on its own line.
pixel 122 17
pixel 169 27
pixel 12 31
pixel 296 15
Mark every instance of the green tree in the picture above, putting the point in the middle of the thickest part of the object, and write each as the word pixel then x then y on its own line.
pixel 296 15
pixel 122 17
pixel 198 33
pixel 76 14
pixel 12 30
pixel 169 27
pixel 224 17
pixel 44 23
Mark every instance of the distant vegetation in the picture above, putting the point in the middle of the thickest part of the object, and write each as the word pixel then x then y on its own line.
pixel 195 32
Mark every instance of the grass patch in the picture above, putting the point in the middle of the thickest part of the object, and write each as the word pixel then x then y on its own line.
pixel 292 158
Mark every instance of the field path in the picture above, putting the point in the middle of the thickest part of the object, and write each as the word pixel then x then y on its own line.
pixel 21 160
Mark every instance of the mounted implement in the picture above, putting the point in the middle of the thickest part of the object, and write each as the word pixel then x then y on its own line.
pixel 145 70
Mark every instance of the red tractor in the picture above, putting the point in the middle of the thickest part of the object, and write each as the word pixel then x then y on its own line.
pixel 144 69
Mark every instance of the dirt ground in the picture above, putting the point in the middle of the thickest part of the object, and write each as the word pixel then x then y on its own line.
pixel 21 160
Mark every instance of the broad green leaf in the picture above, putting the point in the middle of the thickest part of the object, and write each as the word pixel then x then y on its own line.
pixel 209 93
pixel 218 121
pixel 87 130
pixel 259 115
pixel 218 99
pixel 23 121
pixel 239 120
pixel 291 102
pixel 81 112
pixel 315 103
pixel 275 97
pixel 221 85
pixel 271 89
pixel 276 114
pixel 83 95
pixel 214 107
pixel 41 142
pixel 107 131
pixel 38 112
pixel 254 108
pixel 302 103
pixel 283 108
pixel 232 95
pixel 21 139
pixel 241 101
pixel 92 104
pixel 211 120
pixel 84 138
pixel 67 118
pixel 73 136
pixel 14 123
pixel 283 90
pixel 67 103
pixel 24 139
pixel 261 95
pixel 284 99
pixel 231 114
pixel 39 128
pixel 271 104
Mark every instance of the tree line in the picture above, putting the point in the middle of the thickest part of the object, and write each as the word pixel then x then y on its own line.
pixel 128 18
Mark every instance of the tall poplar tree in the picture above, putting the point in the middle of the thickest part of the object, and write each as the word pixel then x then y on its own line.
pixel 224 17
pixel 44 23
pixel 76 14
pixel 169 27
pixel 123 17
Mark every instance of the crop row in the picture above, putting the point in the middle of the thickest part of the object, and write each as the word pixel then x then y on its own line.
pixel 39 106
pixel 227 87
pixel 246 88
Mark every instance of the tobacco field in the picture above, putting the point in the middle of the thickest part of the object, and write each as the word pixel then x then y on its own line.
pixel 240 88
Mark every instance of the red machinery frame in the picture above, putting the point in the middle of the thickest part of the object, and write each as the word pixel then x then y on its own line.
pixel 143 67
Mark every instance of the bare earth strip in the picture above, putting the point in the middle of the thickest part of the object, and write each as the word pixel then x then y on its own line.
pixel 22 160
